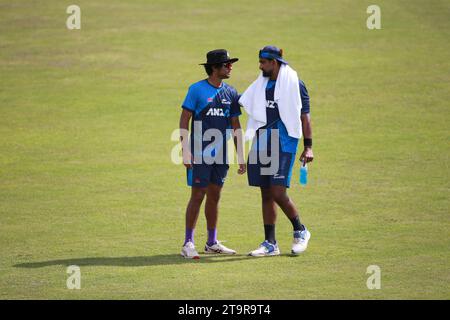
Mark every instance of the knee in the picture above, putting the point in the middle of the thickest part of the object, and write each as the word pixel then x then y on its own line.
pixel 213 197
pixel 280 197
pixel 197 196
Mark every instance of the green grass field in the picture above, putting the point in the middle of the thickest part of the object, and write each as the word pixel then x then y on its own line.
pixel 86 177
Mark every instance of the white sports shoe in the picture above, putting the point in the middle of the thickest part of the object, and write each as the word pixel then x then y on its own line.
pixel 188 251
pixel 300 242
pixel 218 248
pixel 266 249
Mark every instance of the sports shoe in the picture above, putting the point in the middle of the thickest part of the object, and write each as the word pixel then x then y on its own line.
pixel 218 248
pixel 266 249
pixel 188 251
pixel 300 242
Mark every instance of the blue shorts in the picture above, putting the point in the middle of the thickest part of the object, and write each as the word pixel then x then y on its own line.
pixel 203 174
pixel 282 177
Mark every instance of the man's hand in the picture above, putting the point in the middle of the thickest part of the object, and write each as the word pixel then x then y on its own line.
pixel 187 159
pixel 242 168
pixel 307 155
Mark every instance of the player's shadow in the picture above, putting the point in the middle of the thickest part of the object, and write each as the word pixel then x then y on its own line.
pixel 142 261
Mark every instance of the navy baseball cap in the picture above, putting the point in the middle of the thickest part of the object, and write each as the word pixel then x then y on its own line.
pixel 272 52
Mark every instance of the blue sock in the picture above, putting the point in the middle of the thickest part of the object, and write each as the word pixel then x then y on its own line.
pixel 212 236
pixel 189 236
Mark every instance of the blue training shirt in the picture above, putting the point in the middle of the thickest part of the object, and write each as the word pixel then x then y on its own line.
pixel 287 143
pixel 212 107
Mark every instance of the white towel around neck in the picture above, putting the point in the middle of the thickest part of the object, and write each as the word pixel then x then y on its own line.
pixel 287 96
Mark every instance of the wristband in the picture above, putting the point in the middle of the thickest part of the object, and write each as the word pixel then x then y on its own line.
pixel 307 142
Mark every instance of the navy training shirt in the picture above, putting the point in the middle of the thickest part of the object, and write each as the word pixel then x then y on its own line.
pixel 287 143
pixel 212 107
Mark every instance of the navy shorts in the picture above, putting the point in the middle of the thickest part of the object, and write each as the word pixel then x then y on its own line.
pixel 203 174
pixel 282 177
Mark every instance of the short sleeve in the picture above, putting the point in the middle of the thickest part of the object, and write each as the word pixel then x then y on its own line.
pixel 190 102
pixel 235 106
pixel 305 97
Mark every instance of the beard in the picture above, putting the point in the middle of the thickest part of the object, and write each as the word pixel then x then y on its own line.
pixel 224 74
pixel 266 74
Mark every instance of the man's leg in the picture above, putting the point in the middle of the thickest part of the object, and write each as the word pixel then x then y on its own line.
pixel 269 247
pixel 212 211
pixel 301 235
pixel 192 211
pixel 269 211
pixel 281 197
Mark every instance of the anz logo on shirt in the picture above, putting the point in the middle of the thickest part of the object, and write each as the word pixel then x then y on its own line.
pixel 271 104
pixel 218 112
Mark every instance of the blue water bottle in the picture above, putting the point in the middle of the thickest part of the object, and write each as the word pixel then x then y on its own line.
pixel 189 177
pixel 304 174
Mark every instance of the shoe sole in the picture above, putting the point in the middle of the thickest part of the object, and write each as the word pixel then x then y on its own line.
pixel 186 257
pixel 271 254
pixel 219 252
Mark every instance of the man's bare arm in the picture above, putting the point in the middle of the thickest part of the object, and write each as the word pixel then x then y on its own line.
pixel 184 137
pixel 238 143
pixel 307 154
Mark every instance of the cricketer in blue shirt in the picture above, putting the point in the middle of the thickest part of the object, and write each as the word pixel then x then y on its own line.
pixel 273 186
pixel 263 142
pixel 212 107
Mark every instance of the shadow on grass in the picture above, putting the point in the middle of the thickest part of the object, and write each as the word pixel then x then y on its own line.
pixel 158 260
